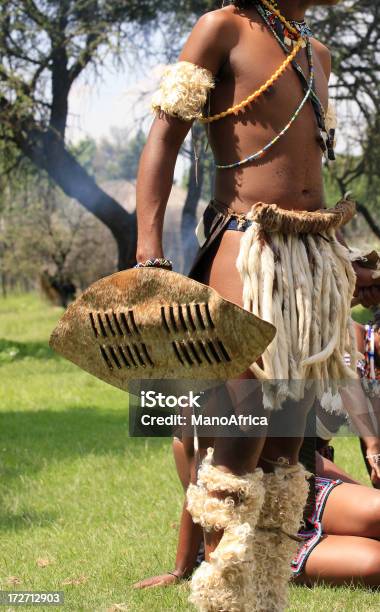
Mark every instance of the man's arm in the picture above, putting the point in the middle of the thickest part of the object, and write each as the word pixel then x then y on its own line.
pixel 207 46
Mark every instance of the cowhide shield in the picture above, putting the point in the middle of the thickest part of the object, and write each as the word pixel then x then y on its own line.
pixel 150 323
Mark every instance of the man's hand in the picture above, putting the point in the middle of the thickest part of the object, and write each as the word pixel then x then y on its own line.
pixel 372 447
pixel 375 473
pixel 158 581
pixel 368 296
pixel 367 290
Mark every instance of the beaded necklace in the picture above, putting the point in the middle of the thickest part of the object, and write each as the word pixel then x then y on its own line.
pixel 298 44
pixel 265 4
pixel 302 27
pixel 259 154
pixel 326 139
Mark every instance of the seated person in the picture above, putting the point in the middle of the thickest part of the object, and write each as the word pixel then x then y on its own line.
pixel 339 545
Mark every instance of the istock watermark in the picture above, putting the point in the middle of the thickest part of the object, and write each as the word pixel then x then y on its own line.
pixel 152 399
pixel 243 408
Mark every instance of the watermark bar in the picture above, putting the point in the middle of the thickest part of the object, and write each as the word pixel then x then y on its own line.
pixel 31 598
pixel 250 408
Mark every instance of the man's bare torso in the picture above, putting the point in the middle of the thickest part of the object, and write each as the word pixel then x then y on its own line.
pixel 290 174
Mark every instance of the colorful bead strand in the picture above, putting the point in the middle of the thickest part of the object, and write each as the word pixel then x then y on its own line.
pixel 238 107
pixel 269 83
pixel 259 154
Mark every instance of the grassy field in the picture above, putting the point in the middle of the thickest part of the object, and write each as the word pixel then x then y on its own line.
pixel 84 508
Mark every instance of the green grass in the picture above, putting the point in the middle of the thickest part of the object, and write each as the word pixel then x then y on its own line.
pixel 100 507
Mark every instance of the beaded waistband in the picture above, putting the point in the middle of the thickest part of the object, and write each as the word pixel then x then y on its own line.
pixel 273 218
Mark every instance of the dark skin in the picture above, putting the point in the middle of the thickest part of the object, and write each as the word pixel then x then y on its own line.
pixel 226 42
pixel 237 48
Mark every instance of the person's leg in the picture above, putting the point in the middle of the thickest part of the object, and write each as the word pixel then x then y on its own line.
pixel 228 493
pixel 343 560
pixel 231 486
pixel 181 462
pixel 189 536
pixel 352 510
pixel 274 545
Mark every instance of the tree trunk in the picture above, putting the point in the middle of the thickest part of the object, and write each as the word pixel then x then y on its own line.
pixel 48 153
pixel 363 210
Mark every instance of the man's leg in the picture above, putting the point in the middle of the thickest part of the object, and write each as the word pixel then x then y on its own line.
pixel 229 493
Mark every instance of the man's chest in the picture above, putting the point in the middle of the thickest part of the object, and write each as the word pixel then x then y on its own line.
pixel 252 63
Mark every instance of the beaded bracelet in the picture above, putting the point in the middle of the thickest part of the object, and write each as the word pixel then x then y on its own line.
pixel 157 262
pixel 376 458
pixel 175 575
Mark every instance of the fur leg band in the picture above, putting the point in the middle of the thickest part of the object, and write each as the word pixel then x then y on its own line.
pixel 274 545
pixel 224 584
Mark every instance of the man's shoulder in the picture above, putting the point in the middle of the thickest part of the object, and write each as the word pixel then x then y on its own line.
pixel 324 55
pixel 221 20
pixel 226 16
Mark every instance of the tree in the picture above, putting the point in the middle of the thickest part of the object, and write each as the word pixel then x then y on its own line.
pixel 44 46
pixel 46 237
pixel 352 31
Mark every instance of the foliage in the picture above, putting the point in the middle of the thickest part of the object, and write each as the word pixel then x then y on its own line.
pixel 44 232
pixel 352 31
pixel 45 45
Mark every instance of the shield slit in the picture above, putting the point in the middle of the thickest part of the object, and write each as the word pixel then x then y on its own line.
pixel 109 324
pixel 172 318
pixel 223 350
pixel 163 318
pixel 101 325
pixel 178 355
pixel 136 349
pixel 213 350
pixel 181 317
pixel 208 315
pixel 122 355
pixel 106 358
pixel 130 355
pixel 190 317
pixel 125 323
pixel 203 349
pixel 132 317
pixel 194 351
pixel 93 325
pixel 199 315
pixel 185 353
pixel 145 351
pixel 114 357
pixel 117 324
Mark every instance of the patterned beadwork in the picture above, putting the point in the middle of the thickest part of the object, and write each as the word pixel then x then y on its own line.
pixel 157 262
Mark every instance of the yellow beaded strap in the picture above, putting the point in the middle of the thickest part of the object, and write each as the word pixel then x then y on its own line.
pixel 237 107
pixel 256 94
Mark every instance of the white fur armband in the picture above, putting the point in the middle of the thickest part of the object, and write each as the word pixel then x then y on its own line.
pixel 183 90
